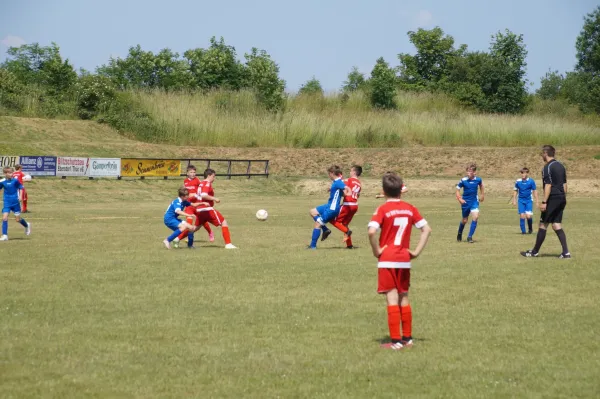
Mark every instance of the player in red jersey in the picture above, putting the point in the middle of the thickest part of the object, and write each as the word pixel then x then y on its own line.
pixel 395 218
pixel 349 206
pixel 192 183
pixel 19 175
pixel 206 212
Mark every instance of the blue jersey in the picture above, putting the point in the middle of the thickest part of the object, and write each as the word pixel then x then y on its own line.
pixel 525 188
pixel 336 194
pixel 11 191
pixel 470 187
pixel 176 205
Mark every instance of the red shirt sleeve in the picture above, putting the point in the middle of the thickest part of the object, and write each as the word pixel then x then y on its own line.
pixel 377 219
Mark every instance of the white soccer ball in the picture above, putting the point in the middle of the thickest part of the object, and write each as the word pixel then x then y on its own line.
pixel 262 215
pixel 27 178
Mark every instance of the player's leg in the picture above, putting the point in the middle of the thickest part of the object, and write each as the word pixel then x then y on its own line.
pixel 17 211
pixel 405 309
pixel 522 216
pixel 5 213
pixel 315 213
pixel 184 233
pixel 557 227
pixel 465 209
pixel 386 284
pixel 217 219
pixel 172 224
pixel 24 198
pixel 541 236
pixel 474 218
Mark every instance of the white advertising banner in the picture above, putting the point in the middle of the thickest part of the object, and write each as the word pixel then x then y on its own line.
pixel 72 166
pixel 8 160
pixel 104 167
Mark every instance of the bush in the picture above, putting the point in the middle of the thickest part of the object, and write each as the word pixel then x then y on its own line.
pixel 94 94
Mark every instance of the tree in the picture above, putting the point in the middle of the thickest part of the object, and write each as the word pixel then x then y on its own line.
pixel 588 44
pixel 383 86
pixel 216 67
pixel 355 81
pixel 551 86
pixel 311 88
pixel 262 74
pixel 434 51
pixel 137 70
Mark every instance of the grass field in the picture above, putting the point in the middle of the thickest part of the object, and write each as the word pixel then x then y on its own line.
pixel 92 305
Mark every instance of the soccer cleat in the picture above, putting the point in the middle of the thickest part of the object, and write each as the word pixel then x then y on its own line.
pixel 470 240
pixel 4 238
pixel 211 236
pixel 530 232
pixel 529 253
pixel 309 247
pixel 28 229
pixel 191 247
pixel 392 345
pixel 565 256
pixel 326 234
pixel 352 247
pixel 347 235
pixel 167 244
pixel 175 242
pixel 459 237
pixel 230 246
pixel 407 343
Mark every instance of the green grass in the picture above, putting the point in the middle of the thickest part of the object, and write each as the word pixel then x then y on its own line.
pixel 91 305
pixel 236 120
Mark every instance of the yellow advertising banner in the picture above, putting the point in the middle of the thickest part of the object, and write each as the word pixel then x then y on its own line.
pixel 150 167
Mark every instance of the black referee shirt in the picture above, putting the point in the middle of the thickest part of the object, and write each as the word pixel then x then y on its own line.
pixel 554 173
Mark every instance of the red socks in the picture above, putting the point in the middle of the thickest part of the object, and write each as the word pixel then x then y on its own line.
pixel 406 316
pixel 226 235
pixel 394 322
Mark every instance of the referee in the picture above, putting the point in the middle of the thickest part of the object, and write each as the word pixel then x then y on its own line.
pixel 554 201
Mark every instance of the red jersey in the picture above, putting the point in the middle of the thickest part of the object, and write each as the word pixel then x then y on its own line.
pixel 192 184
pixel 354 184
pixel 396 218
pixel 19 176
pixel 206 189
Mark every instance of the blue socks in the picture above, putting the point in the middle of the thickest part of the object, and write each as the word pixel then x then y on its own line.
pixel 522 226
pixel 190 240
pixel 4 228
pixel 473 227
pixel 315 237
pixel 461 227
pixel 174 235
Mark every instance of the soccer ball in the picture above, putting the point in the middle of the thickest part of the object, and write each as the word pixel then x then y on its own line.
pixel 27 178
pixel 262 215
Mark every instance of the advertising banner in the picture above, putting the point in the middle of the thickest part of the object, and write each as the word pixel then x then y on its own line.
pixel 104 167
pixel 150 167
pixel 8 160
pixel 39 166
pixel 72 166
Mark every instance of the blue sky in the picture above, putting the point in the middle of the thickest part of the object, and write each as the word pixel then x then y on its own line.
pixel 306 38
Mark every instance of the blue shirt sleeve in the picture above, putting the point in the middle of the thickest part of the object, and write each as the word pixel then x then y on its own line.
pixel 533 186
pixel 460 184
pixel 19 185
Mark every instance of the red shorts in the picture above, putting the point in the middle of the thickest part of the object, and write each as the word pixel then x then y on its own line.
pixel 346 214
pixel 191 210
pixel 388 279
pixel 212 216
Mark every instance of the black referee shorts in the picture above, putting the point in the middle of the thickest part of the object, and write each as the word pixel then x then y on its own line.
pixel 554 210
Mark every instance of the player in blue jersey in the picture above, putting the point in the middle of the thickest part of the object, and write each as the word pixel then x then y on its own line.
pixel 526 190
pixel 12 198
pixel 328 212
pixel 171 219
pixel 469 201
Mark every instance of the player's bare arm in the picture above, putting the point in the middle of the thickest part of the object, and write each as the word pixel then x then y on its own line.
pixel 377 250
pixel 565 188
pixel 537 199
pixel 210 198
pixel 425 232
pixel 481 198
pixel 459 197
pixel 187 215
pixel 347 191
pixel 514 197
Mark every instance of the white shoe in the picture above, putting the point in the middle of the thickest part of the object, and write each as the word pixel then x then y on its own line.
pixel 175 242
pixel 230 246
pixel 4 238
pixel 167 244
pixel 28 229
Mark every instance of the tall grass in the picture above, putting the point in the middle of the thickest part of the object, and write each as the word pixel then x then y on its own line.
pixel 235 119
pixel 35 103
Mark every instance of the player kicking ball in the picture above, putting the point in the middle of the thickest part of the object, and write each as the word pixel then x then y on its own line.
pixel 394 221
pixel 171 218
pixel 328 212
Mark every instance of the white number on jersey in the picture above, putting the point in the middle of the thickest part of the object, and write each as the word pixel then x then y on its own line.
pixel 355 192
pixel 401 222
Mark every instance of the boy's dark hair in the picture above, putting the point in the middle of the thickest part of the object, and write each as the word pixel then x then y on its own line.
pixel 191 167
pixel 549 150
pixel 7 169
pixel 336 170
pixel 209 172
pixel 357 169
pixel 472 166
pixel 18 167
pixel 392 184
pixel 525 169
pixel 183 192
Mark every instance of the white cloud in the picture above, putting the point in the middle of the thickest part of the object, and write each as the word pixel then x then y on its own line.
pixel 423 19
pixel 13 41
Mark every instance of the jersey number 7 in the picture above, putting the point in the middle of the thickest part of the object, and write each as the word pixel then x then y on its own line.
pixel 401 222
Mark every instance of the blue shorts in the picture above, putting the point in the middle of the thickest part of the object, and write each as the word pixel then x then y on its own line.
pixel 173 224
pixel 526 207
pixel 326 215
pixel 15 208
pixel 469 207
